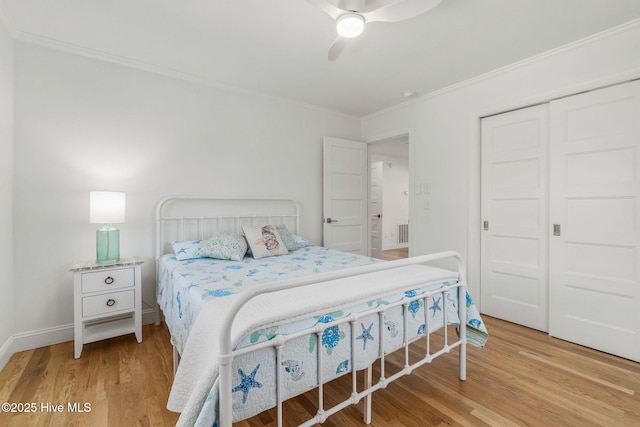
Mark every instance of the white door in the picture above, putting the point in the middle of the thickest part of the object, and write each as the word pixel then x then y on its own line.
pixel 594 206
pixel 345 182
pixel 375 208
pixel 514 274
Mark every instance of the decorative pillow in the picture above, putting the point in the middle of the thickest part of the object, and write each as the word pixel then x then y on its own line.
pixel 291 241
pixel 264 241
pixel 186 250
pixel 301 242
pixel 287 237
pixel 224 245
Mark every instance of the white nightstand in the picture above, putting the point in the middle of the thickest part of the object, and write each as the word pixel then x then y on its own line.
pixel 107 300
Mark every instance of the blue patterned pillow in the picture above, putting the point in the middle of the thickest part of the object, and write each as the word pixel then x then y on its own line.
pixel 300 241
pixel 290 240
pixel 187 250
pixel 287 237
pixel 224 245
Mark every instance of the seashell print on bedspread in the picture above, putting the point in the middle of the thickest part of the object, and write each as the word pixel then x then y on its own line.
pixel 185 286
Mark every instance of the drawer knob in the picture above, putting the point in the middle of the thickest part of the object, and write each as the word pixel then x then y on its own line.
pixel 109 280
pixel 111 302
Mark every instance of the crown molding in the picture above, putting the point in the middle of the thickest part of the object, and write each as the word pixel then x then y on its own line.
pixel 628 26
pixel 75 49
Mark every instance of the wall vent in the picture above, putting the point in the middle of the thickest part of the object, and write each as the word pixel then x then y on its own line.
pixel 403 233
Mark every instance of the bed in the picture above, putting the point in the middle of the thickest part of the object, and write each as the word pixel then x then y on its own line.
pixel 253 326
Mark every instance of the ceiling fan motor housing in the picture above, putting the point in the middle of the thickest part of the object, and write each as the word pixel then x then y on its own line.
pixel 351 5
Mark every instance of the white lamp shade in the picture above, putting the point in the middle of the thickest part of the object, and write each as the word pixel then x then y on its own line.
pixel 106 207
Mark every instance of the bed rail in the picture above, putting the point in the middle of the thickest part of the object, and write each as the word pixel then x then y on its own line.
pixel 227 353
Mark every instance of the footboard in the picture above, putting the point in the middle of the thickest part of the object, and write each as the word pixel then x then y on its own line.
pixel 351 323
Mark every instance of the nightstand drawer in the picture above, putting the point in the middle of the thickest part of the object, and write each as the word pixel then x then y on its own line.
pixel 107 279
pixel 107 303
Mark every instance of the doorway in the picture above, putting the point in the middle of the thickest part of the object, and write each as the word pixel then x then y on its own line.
pixel 389 198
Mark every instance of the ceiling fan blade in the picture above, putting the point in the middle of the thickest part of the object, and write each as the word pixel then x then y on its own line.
pixel 336 48
pixel 399 11
pixel 326 7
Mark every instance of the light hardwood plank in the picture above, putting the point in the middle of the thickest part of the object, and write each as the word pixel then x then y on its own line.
pixel 522 378
pixel 125 383
pixel 391 254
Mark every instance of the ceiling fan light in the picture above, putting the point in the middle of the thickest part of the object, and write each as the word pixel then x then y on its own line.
pixel 350 25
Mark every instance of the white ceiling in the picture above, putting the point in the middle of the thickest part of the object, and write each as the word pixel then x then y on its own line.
pixel 279 47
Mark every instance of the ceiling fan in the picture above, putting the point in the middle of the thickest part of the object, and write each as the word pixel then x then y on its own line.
pixel 352 15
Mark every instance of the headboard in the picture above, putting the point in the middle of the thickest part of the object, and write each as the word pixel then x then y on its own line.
pixel 193 217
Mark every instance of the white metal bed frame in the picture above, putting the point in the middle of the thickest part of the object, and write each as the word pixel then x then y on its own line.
pixel 183 218
pixel 194 226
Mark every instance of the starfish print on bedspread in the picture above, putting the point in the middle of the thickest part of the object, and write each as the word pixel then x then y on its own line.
pixel 247 382
pixel 365 336
pixel 436 306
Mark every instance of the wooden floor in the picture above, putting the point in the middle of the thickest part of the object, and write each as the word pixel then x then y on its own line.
pixel 522 378
pixel 391 254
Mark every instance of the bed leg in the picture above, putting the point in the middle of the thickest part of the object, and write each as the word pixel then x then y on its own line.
pixel 367 400
pixel 462 314
pixel 463 362
pixel 157 315
pixel 176 360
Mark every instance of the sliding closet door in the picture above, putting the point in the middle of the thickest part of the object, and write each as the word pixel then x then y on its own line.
pixel 514 242
pixel 594 212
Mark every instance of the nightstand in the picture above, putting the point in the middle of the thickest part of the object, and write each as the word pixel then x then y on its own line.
pixel 107 300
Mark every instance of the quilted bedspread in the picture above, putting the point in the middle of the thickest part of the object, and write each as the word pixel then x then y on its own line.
pixel 195 390
pixel 185 286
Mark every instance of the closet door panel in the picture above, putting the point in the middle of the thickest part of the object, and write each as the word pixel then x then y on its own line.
pixel 514 275
pixel 594 195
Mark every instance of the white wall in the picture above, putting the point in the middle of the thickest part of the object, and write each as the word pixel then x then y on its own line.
pixel 82 124
pixel 446 136
pixel 6 194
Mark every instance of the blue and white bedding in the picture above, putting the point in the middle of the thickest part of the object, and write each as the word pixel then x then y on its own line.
pixel 189 292
pixel 185 286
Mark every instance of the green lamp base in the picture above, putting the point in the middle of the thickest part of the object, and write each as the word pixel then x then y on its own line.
pixel 107 244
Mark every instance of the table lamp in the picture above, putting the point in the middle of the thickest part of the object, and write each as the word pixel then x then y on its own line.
pixel 107 208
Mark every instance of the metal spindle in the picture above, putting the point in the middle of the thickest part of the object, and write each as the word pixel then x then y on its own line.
pixel 320 413
pixel 279 397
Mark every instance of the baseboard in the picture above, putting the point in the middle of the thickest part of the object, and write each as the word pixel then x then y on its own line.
pixel 6 352
pixel 50 336
pixel 42 337
pixel 148 316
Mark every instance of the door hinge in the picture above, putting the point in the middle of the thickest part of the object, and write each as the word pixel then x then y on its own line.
pixel 485 225
pixel 556 229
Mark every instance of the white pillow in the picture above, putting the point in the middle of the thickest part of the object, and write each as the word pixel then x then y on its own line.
pixel 264 241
